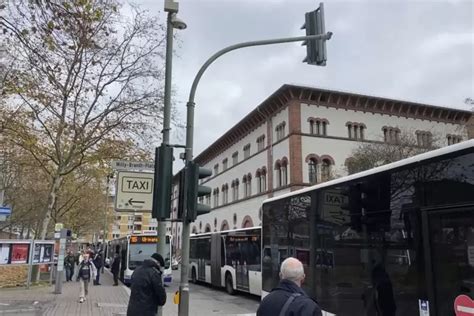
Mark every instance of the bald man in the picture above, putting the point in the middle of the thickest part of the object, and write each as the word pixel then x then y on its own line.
pixel 288 298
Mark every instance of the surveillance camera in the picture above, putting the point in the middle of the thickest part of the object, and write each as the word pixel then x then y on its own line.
pixel 178 23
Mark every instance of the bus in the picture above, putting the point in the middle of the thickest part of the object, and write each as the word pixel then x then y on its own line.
pixel 397 239
pixel 229 259
pixel 133 250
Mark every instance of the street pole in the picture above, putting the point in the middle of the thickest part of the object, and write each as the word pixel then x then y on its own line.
pixel 183 309
pixel 105 221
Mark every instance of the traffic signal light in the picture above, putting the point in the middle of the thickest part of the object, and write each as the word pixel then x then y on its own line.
pixel 162 186
pixel 194 190
pixel 181 193
pixel 315 48
pixel 353 205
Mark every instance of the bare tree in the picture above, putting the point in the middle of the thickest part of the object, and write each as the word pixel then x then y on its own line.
pixel 85 78
pixel 369 155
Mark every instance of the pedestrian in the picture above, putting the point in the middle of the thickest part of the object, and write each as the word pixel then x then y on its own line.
pixel 115 268
pixel 288 298
pixel 69 263
pixel 147 291
pixel 98 265
pixel 85 273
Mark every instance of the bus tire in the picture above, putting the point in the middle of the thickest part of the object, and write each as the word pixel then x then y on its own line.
pixel 193 276
pixel 229 284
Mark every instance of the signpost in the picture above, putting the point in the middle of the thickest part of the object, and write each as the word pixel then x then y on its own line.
pixel 5 212
pixel 134 191
pixel 59 271
pixel 133 165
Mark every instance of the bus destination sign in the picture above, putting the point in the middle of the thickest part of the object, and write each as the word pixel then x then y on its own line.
pixel 143 240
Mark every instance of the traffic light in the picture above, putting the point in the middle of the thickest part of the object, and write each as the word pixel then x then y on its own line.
pixel 315 48
pixel 375 200
pixel 181 193
pixel 162 186
pixel 194 190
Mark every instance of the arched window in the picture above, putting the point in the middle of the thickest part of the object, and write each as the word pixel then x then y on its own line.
pixel 247 222
pixel 325 128
pixel 194 231
pixel 207 229
pixel 263 180
pixel 224 225
pixel 284 173
pixel 312 171
pixel 311 127
pixel 249 185
pixel 325 170
pixel 235 190
pixel 216 197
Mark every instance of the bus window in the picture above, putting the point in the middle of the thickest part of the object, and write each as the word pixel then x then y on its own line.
pixel 139 253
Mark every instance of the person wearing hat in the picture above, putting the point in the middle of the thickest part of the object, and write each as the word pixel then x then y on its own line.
pixel 147 291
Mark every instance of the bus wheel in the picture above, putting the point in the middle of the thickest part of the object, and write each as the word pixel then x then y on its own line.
pixel 229 285
pixel 193 276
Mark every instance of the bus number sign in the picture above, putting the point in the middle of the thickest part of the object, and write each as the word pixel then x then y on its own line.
pixel 143 240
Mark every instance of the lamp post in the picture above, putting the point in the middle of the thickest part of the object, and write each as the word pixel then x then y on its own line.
pixel 173 22
pixel 104 235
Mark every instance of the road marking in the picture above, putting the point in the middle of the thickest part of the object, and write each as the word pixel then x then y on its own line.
pixel 111 305
pixel 4 304
pixel 3 311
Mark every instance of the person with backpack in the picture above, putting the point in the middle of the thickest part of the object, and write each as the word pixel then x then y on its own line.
pixel 98 264
pixel 85 273
pixel 288 298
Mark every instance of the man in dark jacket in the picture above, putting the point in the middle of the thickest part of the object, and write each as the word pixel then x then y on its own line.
pixel 288 298
pixel 115 268
pixel 98 265
pixel 147 291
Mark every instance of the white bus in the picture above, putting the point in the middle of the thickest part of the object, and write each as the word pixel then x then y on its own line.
pixel 230 259
pixel 133 250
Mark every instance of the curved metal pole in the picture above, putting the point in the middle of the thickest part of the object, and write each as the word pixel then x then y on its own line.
pixel 183 308
pixel 201 71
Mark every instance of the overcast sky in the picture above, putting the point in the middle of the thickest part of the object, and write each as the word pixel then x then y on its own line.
pixel 412 50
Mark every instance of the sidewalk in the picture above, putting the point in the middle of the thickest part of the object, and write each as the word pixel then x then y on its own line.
pixel 111 300
pixel 102 300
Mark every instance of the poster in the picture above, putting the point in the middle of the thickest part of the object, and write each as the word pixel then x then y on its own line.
pixel 4 253
pixel 47 252
pixel 19 253
pixel 36 255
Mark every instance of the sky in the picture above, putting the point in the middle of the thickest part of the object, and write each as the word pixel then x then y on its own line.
pixel 420 51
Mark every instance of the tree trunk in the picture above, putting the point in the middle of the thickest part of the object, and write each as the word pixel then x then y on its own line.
pixel 52 196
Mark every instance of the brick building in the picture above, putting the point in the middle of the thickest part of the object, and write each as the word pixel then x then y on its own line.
pixel 301 136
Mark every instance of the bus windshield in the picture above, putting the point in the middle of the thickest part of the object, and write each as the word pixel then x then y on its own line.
pixel 139 252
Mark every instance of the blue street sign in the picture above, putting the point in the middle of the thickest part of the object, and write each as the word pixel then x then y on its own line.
pixel 5 210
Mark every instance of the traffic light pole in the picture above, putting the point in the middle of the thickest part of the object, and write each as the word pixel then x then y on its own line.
pixel 183 309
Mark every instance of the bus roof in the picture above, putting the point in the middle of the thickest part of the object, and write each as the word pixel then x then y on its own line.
pixel 394 165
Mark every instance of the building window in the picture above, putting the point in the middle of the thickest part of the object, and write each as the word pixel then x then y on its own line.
pixel 453 139
pixel 235 190
pixel 224 164
pixel 216 197
pixel 391 134
pixel 318 126
pixel 356 130
pixel 281 173
pixel 280 131
pixel 247 181
pixel 312 171
pixel 208 199
pixel 235 158
pixel 216 169
pixel 261 143
pixel 261 177
pixel 225 194
pixel 424 138
pixel 326 170
pixel 246 151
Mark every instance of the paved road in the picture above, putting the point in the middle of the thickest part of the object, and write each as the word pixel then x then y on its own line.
pixel 112 301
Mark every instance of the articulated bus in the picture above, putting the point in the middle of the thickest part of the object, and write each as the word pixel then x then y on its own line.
pixel 394 240
pixel 133 250
pixel 230 259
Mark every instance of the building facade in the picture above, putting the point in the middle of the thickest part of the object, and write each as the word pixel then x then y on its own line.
pixel 300 136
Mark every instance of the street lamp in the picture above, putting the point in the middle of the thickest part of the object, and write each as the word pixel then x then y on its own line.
pixel 173 22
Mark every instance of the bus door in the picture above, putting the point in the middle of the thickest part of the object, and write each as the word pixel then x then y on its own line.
pixel 216 252
pixel 451 254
